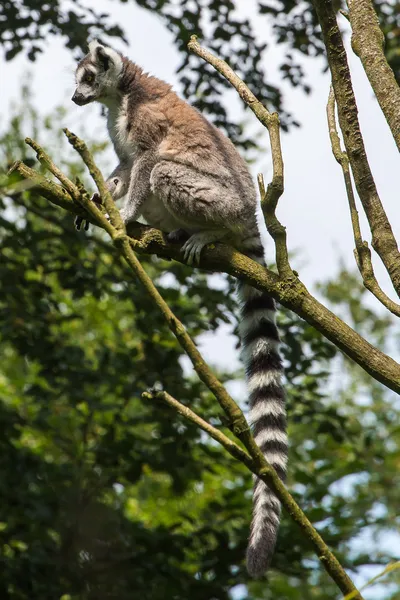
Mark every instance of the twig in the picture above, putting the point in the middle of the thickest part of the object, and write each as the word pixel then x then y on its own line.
pixel 294 295
pixel 367 42
pixel 216 434
pixel 276 229
pixel 46 161
pixel 82 149
pixel 362 252
pixel 264 471
pixel 48 189
pixel 270 196
pixel 383 240
pixel 77 192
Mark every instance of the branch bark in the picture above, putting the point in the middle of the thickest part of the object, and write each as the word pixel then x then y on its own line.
pixel 383 240
pixel 367 42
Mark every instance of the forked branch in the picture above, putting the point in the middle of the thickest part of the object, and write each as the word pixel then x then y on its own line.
pixel 362 252
pixel 238 424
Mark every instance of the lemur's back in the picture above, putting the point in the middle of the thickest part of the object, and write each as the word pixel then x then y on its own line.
pixel 159 119
pixel 184 176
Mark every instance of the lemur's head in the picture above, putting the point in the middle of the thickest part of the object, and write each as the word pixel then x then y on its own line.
pixel 97 74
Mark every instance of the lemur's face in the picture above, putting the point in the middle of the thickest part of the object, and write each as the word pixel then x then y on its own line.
pixel 97 74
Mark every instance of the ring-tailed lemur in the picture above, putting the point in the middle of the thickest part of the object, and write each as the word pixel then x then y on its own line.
pixel 183 175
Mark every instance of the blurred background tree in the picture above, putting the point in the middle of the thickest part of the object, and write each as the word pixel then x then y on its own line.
pixel 104 496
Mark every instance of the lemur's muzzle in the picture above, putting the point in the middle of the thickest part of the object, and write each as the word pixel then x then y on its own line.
pixel 80 99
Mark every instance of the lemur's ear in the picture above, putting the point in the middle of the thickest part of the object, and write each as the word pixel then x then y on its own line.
pixel 93 45
pixel 105 57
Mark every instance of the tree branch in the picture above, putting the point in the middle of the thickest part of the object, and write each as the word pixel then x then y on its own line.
pixel 232 447
pixel 293 294
pixel 367 42
pixel 46 161
pixel 383 240
pixel 362 252
pixel 257 464
pixel 81 148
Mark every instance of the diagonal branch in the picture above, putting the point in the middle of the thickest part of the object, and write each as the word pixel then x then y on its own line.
pixel 257 464
pixel 292 294
pixel 367 42
pixel 46 161
pixel 362 252
pixel 98 178
pixel 383 240
pixel 232 447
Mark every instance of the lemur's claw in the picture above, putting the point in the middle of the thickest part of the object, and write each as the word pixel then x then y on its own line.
pixel 192 251
pixel 178 235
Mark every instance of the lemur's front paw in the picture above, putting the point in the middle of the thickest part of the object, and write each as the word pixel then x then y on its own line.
pixel 195 244
pixel 111 185
pixel 192 248
pixel 78 223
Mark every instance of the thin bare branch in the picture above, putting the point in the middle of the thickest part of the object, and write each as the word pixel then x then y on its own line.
pixel 367 42
pixel 276 230
pixel 231 446
pixel 76 191
pixel 362 252
pixel 260 467
pixel 82 149
pixel 46 161
pixel 383 240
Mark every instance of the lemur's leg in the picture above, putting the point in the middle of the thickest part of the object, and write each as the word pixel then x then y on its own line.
pixel 201 204
pixel 139 186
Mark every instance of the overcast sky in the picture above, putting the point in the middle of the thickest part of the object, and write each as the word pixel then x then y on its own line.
pixel 314 205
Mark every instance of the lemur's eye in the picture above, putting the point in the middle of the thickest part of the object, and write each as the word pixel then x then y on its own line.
pixel 89 77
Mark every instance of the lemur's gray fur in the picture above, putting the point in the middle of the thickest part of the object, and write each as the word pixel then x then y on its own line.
pixel 180 173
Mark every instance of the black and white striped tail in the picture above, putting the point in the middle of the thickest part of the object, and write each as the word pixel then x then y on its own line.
pixel 260 354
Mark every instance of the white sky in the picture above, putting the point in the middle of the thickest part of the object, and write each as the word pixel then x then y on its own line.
pixel 314 206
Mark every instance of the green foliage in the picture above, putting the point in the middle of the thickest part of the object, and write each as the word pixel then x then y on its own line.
pixel 104 495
